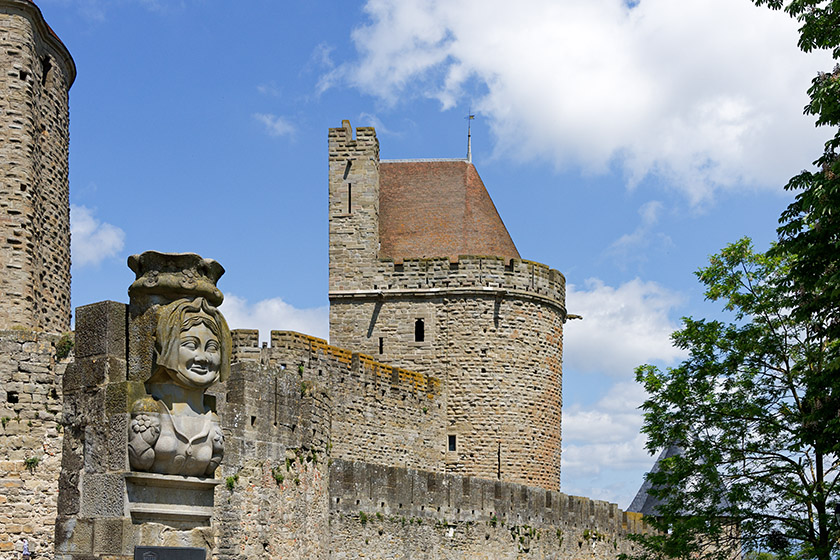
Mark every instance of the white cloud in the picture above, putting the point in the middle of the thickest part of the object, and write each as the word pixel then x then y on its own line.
pixel 705 94
pixel 92 241
pixel 622 327
pixel 270 89
pixel 274 125
pixel 606 437
pixel 275 315
pixel 633 246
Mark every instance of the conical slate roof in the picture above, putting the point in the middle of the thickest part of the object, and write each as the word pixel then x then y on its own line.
pixel 438 208
pixel 647 504
pixel 644 502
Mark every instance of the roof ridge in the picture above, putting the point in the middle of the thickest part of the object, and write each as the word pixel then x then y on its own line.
pixel 415 160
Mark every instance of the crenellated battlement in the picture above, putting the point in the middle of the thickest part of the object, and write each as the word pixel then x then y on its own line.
pixel 344 145
pixel 435 277
pixel 355 366
pixel 455 503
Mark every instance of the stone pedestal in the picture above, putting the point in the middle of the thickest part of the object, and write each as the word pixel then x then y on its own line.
pixel 177 501
pixel 107 508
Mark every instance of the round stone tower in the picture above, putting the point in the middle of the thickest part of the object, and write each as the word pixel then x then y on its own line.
pixel 424 275
pixel 34 194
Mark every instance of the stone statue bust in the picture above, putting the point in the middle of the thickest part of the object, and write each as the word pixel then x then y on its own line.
pixel 172 431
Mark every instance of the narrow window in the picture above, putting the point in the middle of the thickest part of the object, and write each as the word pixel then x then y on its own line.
pixel 46 66
pixel 452 446
pixel 419 331
pixel 499 461
pixel 381 344
pixel 349 198
pixel 23 75
pixel 12 397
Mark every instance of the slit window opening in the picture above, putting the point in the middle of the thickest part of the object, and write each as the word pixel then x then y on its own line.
pixel 419 331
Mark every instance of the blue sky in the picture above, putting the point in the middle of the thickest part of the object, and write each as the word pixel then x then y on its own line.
pixel 622 145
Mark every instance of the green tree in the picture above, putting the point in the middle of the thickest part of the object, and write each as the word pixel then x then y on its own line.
pixel 754 473
pixel 756 406
pixel 809 234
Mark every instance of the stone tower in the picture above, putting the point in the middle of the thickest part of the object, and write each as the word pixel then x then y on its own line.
pixel 424 275
pixel 34 195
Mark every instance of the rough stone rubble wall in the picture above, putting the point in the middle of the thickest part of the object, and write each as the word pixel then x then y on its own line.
pixel 30 440
pixel 383 512
pixel 380 413
pixel 34 194
pixel 277 434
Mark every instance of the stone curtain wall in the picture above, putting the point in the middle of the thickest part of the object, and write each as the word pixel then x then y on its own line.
pixel 34 194
pixel 275 494
pixel 380 413
pixel 383 512
pixel 30 439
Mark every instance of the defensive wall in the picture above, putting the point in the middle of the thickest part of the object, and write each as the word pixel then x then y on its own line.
pixel 34 199
pixel 32 365
pixel 490 328
pixel 380 413
pixel 387 512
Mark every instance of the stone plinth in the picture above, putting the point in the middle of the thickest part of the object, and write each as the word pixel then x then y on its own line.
pixel 178 501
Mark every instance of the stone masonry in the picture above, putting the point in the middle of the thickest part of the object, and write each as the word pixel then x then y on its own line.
pixel 492 327
pixel 31 370
pixel 34 197
pixel 429 428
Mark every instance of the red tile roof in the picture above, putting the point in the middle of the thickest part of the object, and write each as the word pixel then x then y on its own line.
pixel 438 209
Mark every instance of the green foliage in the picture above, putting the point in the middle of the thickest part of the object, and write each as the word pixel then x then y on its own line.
pixel 493 520
pixel 64 346
pixel 231 481
pixel 755 406
pixel 4 421
pixel 746 407
pixel 31 463
pixel 363 518
pixel 278 475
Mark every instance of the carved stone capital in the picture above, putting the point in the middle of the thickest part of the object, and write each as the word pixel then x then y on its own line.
pixel 175 275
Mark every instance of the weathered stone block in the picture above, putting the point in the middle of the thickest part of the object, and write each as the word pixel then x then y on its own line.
pixel 103 495
pixel 101 330
pixel 73 536
pixel 108 536
pixel 98 370
pixel 119 397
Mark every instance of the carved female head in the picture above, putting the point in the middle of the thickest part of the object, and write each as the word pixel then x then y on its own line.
pixel 193 343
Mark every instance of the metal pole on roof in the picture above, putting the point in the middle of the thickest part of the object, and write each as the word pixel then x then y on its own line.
pixel 469 118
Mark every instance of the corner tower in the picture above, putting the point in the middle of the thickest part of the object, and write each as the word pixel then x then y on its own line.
pixel 34 194
pixel 424 275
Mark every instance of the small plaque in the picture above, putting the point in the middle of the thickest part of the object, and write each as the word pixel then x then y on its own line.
pixel 169 553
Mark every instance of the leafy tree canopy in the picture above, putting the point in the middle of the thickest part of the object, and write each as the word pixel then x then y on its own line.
pixel 756 472
pixel 756 406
